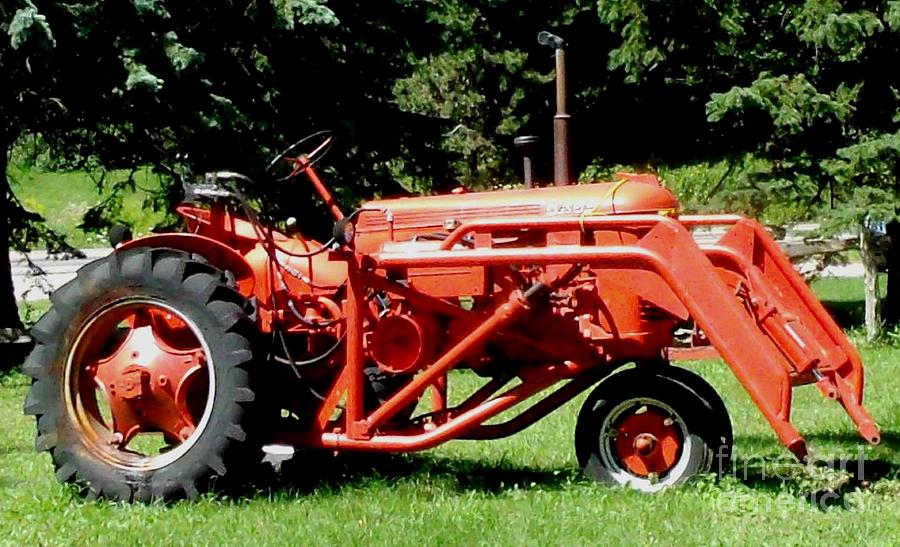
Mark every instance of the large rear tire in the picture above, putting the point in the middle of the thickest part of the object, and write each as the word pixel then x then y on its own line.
pixel 142 388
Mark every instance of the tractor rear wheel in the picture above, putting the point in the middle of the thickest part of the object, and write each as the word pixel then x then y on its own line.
pixel 646 430
pixel 141 385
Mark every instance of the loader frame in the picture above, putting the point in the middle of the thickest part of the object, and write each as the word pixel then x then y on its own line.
pixel 742 291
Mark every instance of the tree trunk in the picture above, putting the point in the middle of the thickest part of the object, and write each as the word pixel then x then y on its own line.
pixel 891 309
pixel 870 269
pixel 9 312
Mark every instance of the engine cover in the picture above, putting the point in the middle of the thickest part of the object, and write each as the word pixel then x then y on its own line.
pixel 406 218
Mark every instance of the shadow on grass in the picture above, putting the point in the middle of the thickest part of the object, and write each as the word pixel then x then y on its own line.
pixel 824 483
pixel 309 472
pixel 13 355
pixel 848 314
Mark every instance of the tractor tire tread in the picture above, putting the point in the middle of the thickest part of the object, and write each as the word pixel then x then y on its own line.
pixel 186 281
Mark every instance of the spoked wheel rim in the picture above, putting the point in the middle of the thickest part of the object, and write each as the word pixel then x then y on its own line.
pixel 644 441
pixel 139 384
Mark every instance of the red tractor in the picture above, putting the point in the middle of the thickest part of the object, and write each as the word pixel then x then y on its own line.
pixel 163 368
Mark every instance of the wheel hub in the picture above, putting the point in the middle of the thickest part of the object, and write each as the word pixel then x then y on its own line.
pixel 155 379
pixel 648 442
pixel 645 444
pixel 134 383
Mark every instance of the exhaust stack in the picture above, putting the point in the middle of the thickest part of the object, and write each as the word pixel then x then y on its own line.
pixel 526 144
pixel 562 161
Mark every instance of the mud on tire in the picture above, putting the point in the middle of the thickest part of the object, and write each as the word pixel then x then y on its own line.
pixel 182 285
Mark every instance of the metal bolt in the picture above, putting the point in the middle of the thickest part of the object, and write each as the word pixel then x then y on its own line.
pixel 645 444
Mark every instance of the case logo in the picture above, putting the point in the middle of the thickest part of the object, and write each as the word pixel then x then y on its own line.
pixel 572 208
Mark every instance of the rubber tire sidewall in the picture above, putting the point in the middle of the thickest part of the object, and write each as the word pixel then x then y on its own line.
pixel 718 411
pixel 193 470
pixel 632 384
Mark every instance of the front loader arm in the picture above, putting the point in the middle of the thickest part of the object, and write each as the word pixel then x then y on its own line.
pixel 752 356
pixel 784 307
pixel 767 326
pixel 781 336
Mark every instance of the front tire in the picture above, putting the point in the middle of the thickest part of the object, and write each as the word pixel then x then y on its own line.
pixel 714 407
pixel 141 384
pixel 648 431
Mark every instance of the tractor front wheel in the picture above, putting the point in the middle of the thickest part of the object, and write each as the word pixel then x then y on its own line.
pixel 141 384
pixel 648 431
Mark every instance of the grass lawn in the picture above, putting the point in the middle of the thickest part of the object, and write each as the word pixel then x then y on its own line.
pixel 521 490
pixel 63 198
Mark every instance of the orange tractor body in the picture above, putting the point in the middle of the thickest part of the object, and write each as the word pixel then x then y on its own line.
pixel 639 275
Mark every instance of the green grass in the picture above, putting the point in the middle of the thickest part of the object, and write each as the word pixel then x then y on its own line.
pixel 844 298
pixel 30 312
pixel 63 198
pixel 521 490
pixel 845 289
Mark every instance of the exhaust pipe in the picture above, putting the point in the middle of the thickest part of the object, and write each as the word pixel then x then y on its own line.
pixel 526 144
pixel 562 161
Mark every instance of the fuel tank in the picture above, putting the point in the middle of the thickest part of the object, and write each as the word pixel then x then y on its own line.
pixel 405 218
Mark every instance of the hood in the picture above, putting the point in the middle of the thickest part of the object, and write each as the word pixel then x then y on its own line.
pixel 410 216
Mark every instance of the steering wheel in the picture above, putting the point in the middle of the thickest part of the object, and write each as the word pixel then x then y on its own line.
pixel 303 161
